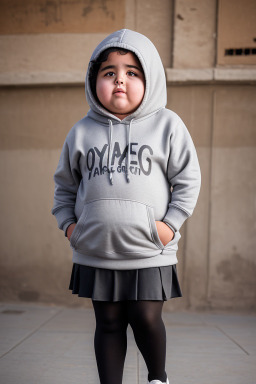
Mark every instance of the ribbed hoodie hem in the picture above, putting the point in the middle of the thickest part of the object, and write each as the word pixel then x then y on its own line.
pixel 161 260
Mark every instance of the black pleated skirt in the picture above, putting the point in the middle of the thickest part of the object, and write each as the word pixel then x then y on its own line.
pixel 158 283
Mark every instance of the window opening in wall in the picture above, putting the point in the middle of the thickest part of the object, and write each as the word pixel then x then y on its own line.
pixel 240 51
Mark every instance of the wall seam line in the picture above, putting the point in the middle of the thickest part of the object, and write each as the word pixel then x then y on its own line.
pixel 208 263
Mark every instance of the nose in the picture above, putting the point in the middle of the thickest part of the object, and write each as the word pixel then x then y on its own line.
pixel 119 81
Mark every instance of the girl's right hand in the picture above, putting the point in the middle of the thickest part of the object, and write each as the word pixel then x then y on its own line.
pixel 70 230
pixel 165 232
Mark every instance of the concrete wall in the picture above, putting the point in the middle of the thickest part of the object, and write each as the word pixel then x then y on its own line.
pixel 42 96
pixel 218 260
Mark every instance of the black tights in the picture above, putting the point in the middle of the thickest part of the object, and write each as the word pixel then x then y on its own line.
pixel 110 342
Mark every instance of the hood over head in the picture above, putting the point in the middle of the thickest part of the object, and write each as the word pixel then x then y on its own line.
pixel 155 96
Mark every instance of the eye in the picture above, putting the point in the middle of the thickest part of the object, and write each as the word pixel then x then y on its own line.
pixel 131 73
pixel 109 74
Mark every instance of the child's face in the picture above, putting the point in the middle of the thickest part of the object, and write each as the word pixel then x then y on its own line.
pixel 120 84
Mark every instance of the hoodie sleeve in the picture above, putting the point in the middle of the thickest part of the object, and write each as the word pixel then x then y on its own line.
pixel 184 177
pixel 67 180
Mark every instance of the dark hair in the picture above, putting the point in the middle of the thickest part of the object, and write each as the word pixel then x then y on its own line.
pixel 95 66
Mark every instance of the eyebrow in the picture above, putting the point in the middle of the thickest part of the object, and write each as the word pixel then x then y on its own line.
pixel 114 66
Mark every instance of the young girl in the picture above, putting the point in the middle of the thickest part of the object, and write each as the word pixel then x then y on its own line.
pixel 127 179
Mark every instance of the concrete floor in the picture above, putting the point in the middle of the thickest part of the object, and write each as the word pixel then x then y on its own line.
pixel 54 345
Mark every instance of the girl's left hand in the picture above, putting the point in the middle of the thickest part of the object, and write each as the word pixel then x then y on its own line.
pixel 164 232
pixel 70 230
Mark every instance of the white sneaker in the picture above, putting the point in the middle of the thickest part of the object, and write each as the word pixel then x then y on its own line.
pixel 158 382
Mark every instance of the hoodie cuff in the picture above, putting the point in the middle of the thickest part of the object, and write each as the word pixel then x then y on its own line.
pixel 66 225
pixel 64 217
pixel 170 226
pixel 175 217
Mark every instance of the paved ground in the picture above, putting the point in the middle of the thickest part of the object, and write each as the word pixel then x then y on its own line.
pixel 53 345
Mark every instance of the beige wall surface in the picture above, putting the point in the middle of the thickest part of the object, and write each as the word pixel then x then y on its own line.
pixel 194 33
pixel 220 237
pixel 61 16
pixel 217 250
pixel 35 258
pixel 242 15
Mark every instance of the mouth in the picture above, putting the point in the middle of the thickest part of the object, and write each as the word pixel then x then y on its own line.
pixel 119 91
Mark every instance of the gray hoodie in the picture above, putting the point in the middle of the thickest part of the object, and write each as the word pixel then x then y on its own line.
pixel 115 177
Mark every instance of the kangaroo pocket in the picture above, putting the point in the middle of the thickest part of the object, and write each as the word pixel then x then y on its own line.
pixel 111 227
pixel 172 245
pixel 169 247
